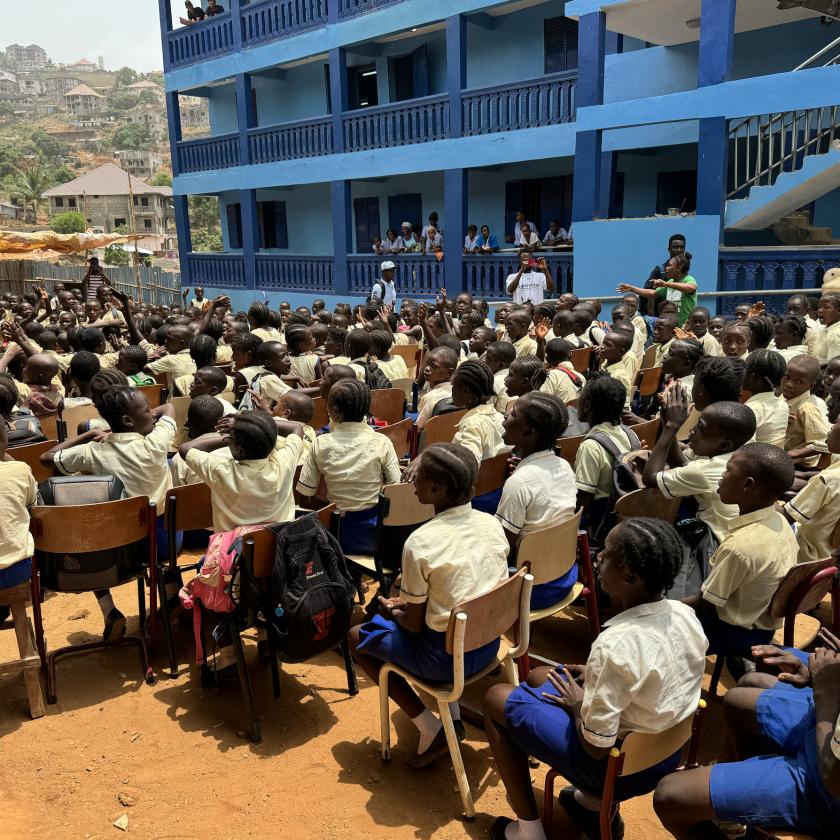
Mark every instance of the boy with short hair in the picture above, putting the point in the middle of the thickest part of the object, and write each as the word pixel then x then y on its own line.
pixel 561 378
pixel 716 326
pixel 518 324
pixel 211 381
pixel 698 325
pixel 298 408
pixel 828 342
pixel 499 356
pixel 663 335
pixel 563 326
pixel 438 367
pixel 131 360
pixel 393 367
pixel 357 346
pixel 203 414
pixel 83 367
pixel 178 362
pixel 807 428
pixel 615 358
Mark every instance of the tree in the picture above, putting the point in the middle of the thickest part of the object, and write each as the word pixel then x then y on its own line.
pixel 62 175
pixel 147 97
pixel 6 110
pixel 51 146
pixel 114 255
pixel 204 212
pixel 162 179
pixel 132 136
pixel 124 77
pixel 29 186
pixel 73 222
pixel 10 160
pixel 123 101
pixel 205 240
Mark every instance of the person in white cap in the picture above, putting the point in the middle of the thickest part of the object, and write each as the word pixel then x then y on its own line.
pixel 384 290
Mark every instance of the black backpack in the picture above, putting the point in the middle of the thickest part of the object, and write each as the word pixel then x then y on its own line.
pixel 380 298
pixel 375 379
pixel 24 429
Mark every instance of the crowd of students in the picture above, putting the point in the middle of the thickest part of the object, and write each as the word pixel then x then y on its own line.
pixel 749 415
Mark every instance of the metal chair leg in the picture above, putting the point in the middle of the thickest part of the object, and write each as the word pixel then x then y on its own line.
pixel 352 682
pixel 167 628
pixel 245 681
pixel 141 600
pixel 719 662
pixel 548 802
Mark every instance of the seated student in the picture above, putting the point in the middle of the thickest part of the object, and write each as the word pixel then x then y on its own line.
pixel 614 357
pixel 211 381
pixel 807 427
pixel 735 339
pixel 131 360
pixel 83 367
pixel 742 312
pixel 697 324
pixel 830 375
pixel 36 391
pixel 748 566
pixel 762 378
pixel 355 462
pixel 178 362
pixel 252 484
pixel 203 416
pixel 459 554
pixel 393 367
pixel 439 365
pixel 246 361
pixel 716 325
pixel 790 335
pixel 518 323
pixel 297 407
pixel 644 674
pixel 621 317
pixel 203 353
pixel 681 360
pixel 319 336
pixel 762 329
pixel 600 405
pixel 334 347
pixel 410 313
pixel 522 374
pixel 464 330
pixel 583 324
pixel 563 326
pixel 480 339
pixel 259 322
pixel 135 451
pixel 559 378
pixel 828 341
pixel 540 492
pixel 231 330
pixel 357 347
pixel 499 356
pixel 664 332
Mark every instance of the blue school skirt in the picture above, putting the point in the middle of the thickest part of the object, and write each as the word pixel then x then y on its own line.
pixel 423 654
pixel 16 573
pixel 546 732
pixel 488 502
pixel 545 594
pixel 729 640
pixel 357 531
pixel 783 790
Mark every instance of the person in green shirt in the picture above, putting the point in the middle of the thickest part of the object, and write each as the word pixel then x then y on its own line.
pixel 678 286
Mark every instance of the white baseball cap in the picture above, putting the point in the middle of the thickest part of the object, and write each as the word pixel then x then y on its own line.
pixel 386 265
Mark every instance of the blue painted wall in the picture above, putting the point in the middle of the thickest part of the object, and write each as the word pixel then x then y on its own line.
pixel 221 106
pixel 827 211
pixel 302 95
pixel 640 176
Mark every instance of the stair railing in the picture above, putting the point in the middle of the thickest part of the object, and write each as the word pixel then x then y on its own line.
pixel 820 54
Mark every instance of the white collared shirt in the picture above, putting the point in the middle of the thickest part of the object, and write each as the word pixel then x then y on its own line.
pixel 179 364
pixel 771 418
pixel 480 430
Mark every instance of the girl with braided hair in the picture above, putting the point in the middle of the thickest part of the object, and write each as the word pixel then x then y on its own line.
pixel 762 377
pixel 643 674
pixel 301 345
pixel 790 333
pixel 521 375
pixel 459 554
pixel 246 362
pixel 762 329
pixel 259 322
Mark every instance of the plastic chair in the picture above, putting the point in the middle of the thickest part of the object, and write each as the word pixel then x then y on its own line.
pixel 647 380
pixel 647 432
pixel 580 359
pixel 400 435
pixel 399 514
pixel 86 528
pixel 28 663
pixel 440 429
pixel 155 394
pixel 31 455
pixel 71 417
pixel 648 501
pixel 321 417
pixel 409 354
pixel 637 752
pixel 472 624
pixel 567 448
pixel 388 404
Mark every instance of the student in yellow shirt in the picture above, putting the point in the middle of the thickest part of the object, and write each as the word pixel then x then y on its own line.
pixel 614 357
pixel 762 329
pixel 559 377
pixel 664 332
pixel 735 340
pixel 438 367
pixel 259 322
pixel 807 427
pixel 498 357
pixel 178 361
pixel 393 367
pixel 762 378
pixel 518 323
pixel 521 375
pixel 297 407
pixel 790 335
pixel 246 362
pixel 480 339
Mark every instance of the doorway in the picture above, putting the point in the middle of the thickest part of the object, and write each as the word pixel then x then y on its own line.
pixel 366 212
pixel 361 86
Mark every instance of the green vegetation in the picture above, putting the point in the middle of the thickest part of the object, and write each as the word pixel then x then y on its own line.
pixel 132 136
pixel 27 187
pixel 162 178
pixel 73 222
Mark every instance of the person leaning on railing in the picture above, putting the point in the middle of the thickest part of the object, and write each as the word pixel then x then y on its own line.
pixel 194 14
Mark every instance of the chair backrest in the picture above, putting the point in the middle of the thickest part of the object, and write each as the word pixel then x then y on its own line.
pixel 321 416
pixel 227 367
pixel 491 474
pixel 154 394
pixel 190 505
pixel 161 379
pixel 49 426
pixel 646 432
pixel 265 543
pixel 387 404
pixel 647 380
pixel 649 358
pixel 86 528
pixel 408 354
pixel 551 552
pixel 71 417
pixel 227 396
pixel 648 501
pixel 642 751
pixel 790 588
pixel 569 447
pixel 31 454
pixel 398 434
pixel 404 506
pixel 441 429
pixel 580 359
pixel 488 615
pixel 182 408
pixel 404 385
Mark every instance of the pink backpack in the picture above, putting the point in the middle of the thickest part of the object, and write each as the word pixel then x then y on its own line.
pixel 211 584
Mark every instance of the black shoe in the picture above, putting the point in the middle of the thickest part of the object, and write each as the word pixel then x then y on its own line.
pixel 497 830
pixel 114 626
pixel 568 801
pixel 262 649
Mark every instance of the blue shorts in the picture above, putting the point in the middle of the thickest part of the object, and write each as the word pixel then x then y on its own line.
pixel 784 790
pixel 357 531
pixel 16 573
pixel 548 733
pixel 546 594
pixel 423 653
pixel 163 541
pixel 730 640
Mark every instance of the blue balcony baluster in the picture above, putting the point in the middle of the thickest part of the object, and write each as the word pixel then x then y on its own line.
pixel 273 20
pixel 207 153
pixel 201 41
pixel 218 270
pixel 294 273
pixel 399 124
pixel 485 276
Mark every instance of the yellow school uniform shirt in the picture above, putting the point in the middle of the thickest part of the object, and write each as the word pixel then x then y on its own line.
pixel 639 324
pixel 560 384
pixel 661 350
pixel 593 465
pixel 355 462
pixel 304 367
pixel 428 401
pixel 179 364
pixel 267 334
pixel 308 437
pixel 394 369
pixel 624 370
pixel 816 509
pixel 711 346
pixel 139 462
pixel 807 427
pixel 356 364
pixel 771 418
pixel 828 343
pixel 748 567
pixel 182 475
pixel 500 395
pixel 792 352
pixel 224 354
pixel 400 339
pixel 480 430
pixel 18 496
pixel 272 386
pixel 525 347
pixel 249 492
pixel 340 360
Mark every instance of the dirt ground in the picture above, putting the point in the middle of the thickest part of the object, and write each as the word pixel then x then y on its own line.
pixel 175 758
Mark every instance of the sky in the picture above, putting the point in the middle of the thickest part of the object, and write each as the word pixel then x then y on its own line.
pixel 123 32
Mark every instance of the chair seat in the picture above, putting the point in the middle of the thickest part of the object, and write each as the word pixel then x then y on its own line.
pixel 366 562
pixel 546 612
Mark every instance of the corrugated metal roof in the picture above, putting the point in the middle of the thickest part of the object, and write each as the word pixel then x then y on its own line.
pixel 83 90
pixel 108 179
pixel 80 61
pixel 144 85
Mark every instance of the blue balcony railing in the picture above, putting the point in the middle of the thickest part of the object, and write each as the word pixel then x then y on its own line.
pixel 485 276
pixel 201 41
pixel 354 8
pixel 272 20
pixel 294 273
pixel 220 152
pixel 398 124
pixel 415 275
pixel 289 141
pixel 546 100
pixel 762 269
pixel 224 271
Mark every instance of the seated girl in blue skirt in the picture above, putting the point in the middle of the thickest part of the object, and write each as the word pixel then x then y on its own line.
pixel 786 742
pixel 643 674
pixel 355 462
pixel 541 492
pixel 459 554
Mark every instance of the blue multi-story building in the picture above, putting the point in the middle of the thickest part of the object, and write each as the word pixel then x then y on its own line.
pixel 334 120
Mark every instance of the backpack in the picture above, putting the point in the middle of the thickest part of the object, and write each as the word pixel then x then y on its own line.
pixel 699 544
pixel 380 297
pixel 577 380
pixel 24 430
pixel 375 379
pixel 592 337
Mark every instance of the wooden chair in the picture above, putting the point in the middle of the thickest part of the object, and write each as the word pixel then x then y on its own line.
pixel 648 501
pixel 50 426
pixel 689 424
pixel 321 417
pixel 491 477
pixel 400 435
pixel 647 380
pixel 162 379
pixel 155 394
pixel 637 752
pixel 649 358
pixel 388 404
pixel 399 514
pixel 77 529
pixel 71 417
pixel 28 663
pixel 440 429
pixel 31 455
pixel 647 432
pixel 409 355
pixel 227 367
pixel 745 395
pixel 580 359
pixel 182 408
pixel 567 448
pixel 472 624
